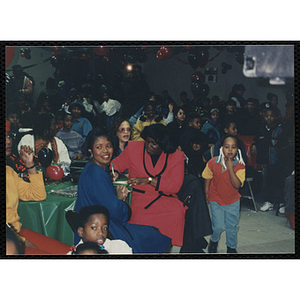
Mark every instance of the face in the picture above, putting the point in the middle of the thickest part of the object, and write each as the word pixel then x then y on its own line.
pixel 180 115
pixel 152 147
pixel 214 116
pixel 231 108
pixel 123 132
pixel 95 229
pixel 274 101
pixel 102 151
pixel 196 123
pixel 250 106
pixel 150 112
pixel 269 117
pixel 14 119
pixel 230 148
pixel 232 130
pixel 8 144
pixel 152 98
pixel 105 97
pixel 68 122
pixel 46 107
pixel 76 111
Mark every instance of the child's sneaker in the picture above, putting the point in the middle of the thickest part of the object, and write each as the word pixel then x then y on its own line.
pixel 231 250
pixel 267 206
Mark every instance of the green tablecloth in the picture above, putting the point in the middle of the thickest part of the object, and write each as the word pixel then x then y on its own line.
pixel 48 217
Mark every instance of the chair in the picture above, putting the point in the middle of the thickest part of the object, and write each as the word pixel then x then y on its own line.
pixel 249 180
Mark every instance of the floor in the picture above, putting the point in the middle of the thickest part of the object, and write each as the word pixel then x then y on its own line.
pixel 259 233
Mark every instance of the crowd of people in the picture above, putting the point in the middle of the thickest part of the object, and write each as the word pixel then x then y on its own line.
pixel 160 145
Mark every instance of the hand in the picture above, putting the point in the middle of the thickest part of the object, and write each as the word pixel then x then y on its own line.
pixel 114 176
pixel 206 197
pixel 26 154
pixel 122 192
pixel 229 162
pixel 171 107
pixel 138 180
pixel 253 150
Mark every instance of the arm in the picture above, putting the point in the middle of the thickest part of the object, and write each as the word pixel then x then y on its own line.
pixel 136 131
pixel 206 188
pixel 63 151
pixel 236 183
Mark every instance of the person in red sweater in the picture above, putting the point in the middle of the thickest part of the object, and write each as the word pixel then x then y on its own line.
pixel 224 175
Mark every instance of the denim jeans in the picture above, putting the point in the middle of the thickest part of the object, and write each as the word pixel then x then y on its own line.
pixel 225 217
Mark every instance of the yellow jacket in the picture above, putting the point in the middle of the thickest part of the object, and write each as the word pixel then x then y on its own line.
pixel 140 125
pixel 17 188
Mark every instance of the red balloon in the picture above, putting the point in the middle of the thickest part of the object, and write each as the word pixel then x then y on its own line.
pixel 101 50
pixel 167 51
pixel 144 47
pixel 198 76
pixel 55 172
pixel 22 54
pixel 187 47
pixel 9 55
pixel 160 55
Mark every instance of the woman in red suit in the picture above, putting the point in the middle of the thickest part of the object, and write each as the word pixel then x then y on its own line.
pixel 156 172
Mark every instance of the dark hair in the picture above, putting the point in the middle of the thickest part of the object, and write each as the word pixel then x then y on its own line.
pixel 227 124
pixel 93 135
pixel 160 133
pixel 42 124
pixel 229 136
pixel 176 109
pixel 87 211
pixel 271 95
pixel 265 106
pixel 11 236
pixel 231 102
pixel 117 123
pixel 149 103
pixel 193 116
pixel 238 87
pixel 89 246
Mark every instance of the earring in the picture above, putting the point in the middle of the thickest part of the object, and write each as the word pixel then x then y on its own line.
pixel 92 155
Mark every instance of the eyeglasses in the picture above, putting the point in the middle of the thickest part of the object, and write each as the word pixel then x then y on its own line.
pixel 124 129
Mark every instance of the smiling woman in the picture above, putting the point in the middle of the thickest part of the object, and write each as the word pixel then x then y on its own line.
pixel 95 188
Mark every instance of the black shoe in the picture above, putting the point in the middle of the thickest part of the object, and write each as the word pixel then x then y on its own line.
pixel 230 250
pixel 212 247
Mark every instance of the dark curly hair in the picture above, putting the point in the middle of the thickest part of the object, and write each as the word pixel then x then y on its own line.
pixel 160 133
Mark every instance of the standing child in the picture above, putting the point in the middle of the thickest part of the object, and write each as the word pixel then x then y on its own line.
pixel 224 175
pixel 269 145
pixel 72 139
pixel 92 226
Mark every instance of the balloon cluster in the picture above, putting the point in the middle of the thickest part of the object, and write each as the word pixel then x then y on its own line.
pixel 198 57
pixel 200 89
pixel 225 67
pixel 164 52
pixel 25 52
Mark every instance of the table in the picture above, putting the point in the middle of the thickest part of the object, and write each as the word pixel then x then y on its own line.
pixel 48 217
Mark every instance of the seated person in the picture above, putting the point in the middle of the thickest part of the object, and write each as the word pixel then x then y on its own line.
pixel 71 139
pixel 43 135
pixel 81 125
pixel 178 126
pixel 148 119
pixel 13 113
pixel 34 190
pixel 230 114
pixel 93 225
pixel 212 127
